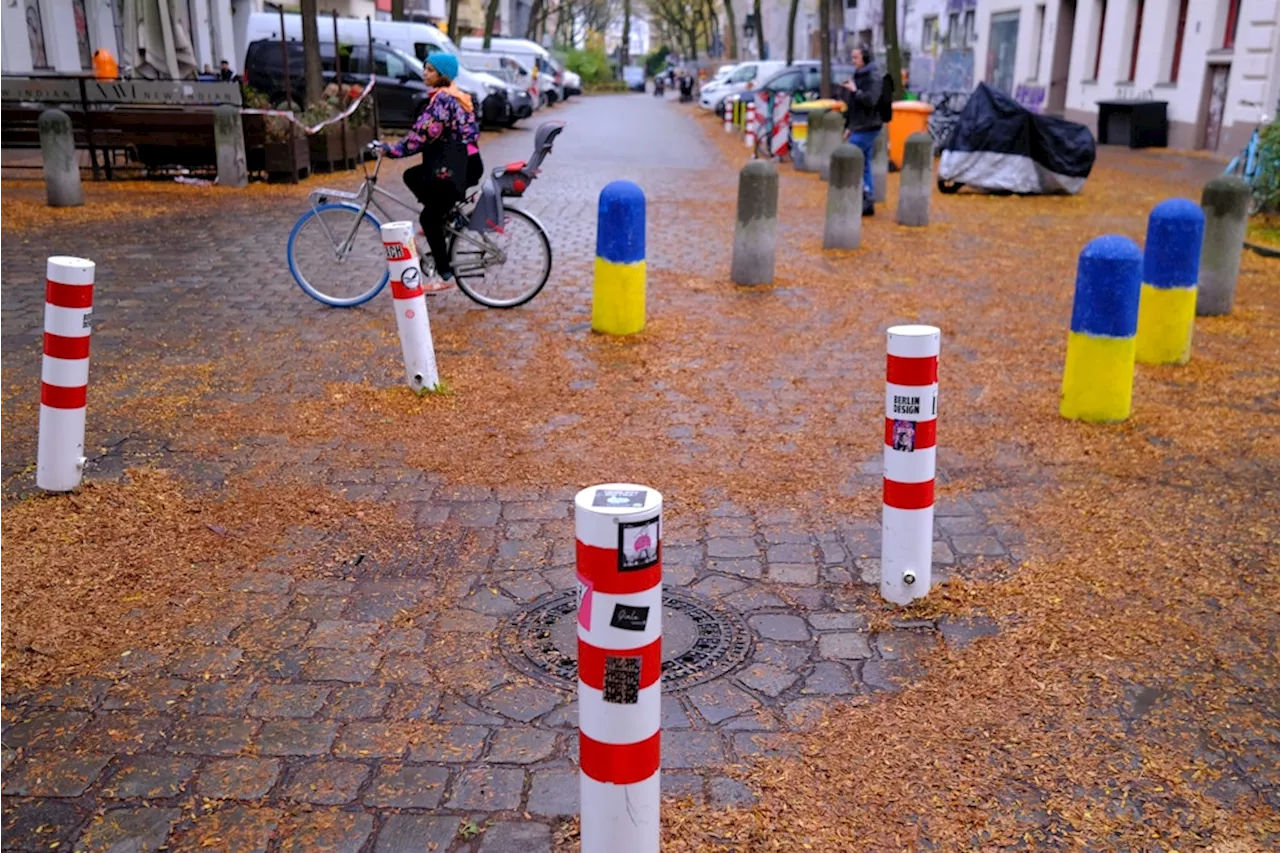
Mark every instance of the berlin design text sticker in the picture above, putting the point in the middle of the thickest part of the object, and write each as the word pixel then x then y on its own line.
pixel 622 498
pixel 904 436
pixel 622 680
pixel 629 618
pixel 637 544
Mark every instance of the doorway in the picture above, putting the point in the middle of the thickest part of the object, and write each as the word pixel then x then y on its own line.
pixel 1062 37
pixel 1215 104
pixel 1002 51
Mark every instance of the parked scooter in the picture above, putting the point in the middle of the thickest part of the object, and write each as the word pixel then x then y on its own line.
pixel 686 89
pixel 658 86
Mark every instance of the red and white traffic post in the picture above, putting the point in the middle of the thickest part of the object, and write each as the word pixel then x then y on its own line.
pixel 728 115
pixel 619 533
pixel 910 460
pixel 411 306
pixel 751 124
pixel 64 375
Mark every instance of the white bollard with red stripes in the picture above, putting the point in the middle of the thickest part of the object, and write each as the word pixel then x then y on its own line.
pixel 619 530
pixel 910 460
pixel 411 307
pixel 728 116
pixel 751 124
pixel 64 375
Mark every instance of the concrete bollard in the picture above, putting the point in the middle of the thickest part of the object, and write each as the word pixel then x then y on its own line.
pixel 832 135
pixel 61 166
pixel 843 229
pixel 804 158
pixel 910 462
pixel 410 303
pixel 1225 201
pixel 618 528
pixel 64 372
pixel 755 233
pixel 1097 382
pixel 880 165
pixel 1170 264
pixel 618 296
pixel 916 185
pixel 228 137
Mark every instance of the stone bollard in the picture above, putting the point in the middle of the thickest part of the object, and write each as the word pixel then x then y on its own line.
pixel 61 166
pixel 843 228
pixel 755 235
pixel 812 134
pixel 832 136
pixel 916 185
pixel 1167 310
pixel 880 165
pixel 1225 202
pixel 228 138
pixel 1097 383
pixel 618 295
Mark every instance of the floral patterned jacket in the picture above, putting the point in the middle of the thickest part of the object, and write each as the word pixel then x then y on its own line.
pixel 443 120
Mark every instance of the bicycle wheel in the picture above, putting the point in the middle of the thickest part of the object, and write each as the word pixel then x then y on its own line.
pixel 502 269
pixel 320 266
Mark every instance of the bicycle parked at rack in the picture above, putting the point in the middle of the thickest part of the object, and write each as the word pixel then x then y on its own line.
pixel 335 249
pixel 1260 173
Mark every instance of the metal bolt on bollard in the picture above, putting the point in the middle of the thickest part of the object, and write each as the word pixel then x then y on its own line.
pixel 728 116
pixel 411 307
pixel 618 294
pixel 832 134
pixel 1225 201
pixel 618 528
pixel 755 232
pixel 910 460
pixel 64 373
pixel 750 137
pixel 843 227
pixel 1170 265
pixel 880 165
pixel 1097 381
pixel 916 185
pixel 61 166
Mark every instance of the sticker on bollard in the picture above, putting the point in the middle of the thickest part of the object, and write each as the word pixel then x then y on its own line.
pixel 618 294
pixel 411 307
pixel 618 532
pixel 1097 381
pixel 1170 266
pixel 64 372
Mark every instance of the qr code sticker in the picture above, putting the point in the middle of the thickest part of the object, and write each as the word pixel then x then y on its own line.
pixel 621 680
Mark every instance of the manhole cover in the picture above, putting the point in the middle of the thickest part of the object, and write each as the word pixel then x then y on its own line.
pixel 699 642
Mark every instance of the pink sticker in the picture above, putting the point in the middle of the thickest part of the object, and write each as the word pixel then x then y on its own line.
pixel 584 603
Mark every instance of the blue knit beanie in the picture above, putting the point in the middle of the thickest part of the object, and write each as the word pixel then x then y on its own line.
pixel 444 63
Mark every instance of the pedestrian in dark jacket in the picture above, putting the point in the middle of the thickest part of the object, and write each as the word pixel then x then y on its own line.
pixel 862 115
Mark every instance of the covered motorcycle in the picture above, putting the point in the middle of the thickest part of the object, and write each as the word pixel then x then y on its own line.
pixel 997 144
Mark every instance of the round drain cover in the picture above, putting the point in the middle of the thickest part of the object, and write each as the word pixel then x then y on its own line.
pixel 699 641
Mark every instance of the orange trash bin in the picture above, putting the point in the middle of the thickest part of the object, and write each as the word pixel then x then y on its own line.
pixel 908 117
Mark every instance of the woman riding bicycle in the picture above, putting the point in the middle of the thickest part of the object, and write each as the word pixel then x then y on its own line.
pixel 447 134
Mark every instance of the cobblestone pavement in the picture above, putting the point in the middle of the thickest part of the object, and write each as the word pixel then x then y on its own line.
pixel 306 717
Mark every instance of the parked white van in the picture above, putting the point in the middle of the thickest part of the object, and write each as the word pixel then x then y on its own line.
pixel 550 77
pixel 747 76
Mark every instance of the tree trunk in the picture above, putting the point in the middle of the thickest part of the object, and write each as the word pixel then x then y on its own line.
pixel 626 34
pixel 824 36
pixel 453 21
pixel 759 31
pixel 311 67
pixel 731 30
pixel 892 52
pixel 397 10
pixel 791 31
pixel 490 15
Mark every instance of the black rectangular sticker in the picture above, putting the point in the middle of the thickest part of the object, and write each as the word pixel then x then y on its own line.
pixel 629 618
pixel 638 544
pixel 622 680
pixel 621 498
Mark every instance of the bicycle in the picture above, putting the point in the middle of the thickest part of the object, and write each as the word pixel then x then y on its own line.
pixel 347 265
pixel 1259 173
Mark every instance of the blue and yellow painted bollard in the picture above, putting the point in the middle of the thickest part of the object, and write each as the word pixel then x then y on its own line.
pixel 1097 384
pixel 617 299
pixel 1170 268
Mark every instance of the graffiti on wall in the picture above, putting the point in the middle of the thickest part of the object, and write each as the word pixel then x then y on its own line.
pixel 1030 95
pixel 949 71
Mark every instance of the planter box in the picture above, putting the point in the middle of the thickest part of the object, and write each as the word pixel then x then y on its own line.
pixel 293 163
pixel 327 152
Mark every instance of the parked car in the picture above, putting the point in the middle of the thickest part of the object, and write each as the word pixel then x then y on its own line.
pixel 633 75
pixel 515 71
pixel 747 76
pixel 721 77
pixel 804 79
pixel 572 83
pixel 549 81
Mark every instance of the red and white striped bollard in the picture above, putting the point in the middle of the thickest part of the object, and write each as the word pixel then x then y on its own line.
pixel 411 307
pixel 618 527
pixel 751 124
pixel 64 373
pixel 728 116
pixel 910 462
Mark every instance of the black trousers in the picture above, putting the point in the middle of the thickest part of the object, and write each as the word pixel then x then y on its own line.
pixel 438 197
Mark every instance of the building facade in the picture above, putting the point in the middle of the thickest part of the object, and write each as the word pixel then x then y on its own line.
pixel 1215 62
